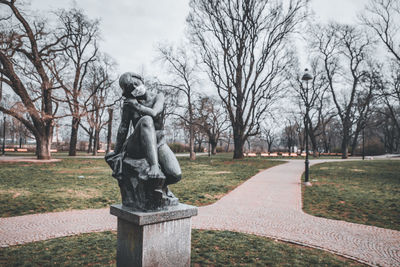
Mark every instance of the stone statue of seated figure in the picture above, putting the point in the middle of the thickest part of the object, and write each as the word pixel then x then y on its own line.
pixel 143 163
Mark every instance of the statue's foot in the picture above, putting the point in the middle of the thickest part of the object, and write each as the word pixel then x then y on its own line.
pixel 168 193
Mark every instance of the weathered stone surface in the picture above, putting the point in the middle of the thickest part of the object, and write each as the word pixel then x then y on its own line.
pixel 154 238
pixel 179 211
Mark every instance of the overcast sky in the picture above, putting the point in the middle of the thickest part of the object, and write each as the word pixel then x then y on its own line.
pixel 132 29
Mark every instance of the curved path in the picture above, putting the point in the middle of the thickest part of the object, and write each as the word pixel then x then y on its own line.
pixel 268 204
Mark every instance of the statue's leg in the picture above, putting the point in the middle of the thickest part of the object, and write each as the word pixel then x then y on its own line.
pixel 143 142
pixel 169 164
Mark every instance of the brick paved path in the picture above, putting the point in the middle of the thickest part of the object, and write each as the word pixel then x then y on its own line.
pixel 269 204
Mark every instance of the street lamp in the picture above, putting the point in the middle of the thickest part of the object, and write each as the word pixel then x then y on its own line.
pixel 4 136
pixel 306 77
pixel 363 143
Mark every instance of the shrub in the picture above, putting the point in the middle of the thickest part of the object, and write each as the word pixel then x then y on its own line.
pixel 178 147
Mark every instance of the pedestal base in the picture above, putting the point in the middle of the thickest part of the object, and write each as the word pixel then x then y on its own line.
pixel 160 238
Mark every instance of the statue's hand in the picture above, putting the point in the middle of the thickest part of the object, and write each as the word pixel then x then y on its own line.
pixel 154 172
pixel 132 103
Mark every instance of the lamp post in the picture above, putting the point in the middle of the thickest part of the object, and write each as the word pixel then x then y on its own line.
pixel 4 136
pixel 363 143
pixel 306 77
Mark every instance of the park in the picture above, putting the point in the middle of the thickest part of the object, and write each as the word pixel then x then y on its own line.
pixel 216 133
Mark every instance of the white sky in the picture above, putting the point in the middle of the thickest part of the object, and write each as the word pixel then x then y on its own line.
pixel 132 29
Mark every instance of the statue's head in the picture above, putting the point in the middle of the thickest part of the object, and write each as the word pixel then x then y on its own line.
pixel 132 85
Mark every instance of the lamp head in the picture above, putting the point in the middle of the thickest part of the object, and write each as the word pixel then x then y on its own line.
pixel 306 76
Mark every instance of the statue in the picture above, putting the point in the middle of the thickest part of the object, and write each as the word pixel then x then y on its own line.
pixel 143 163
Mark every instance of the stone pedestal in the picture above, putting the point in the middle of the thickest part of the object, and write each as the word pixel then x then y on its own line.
pixel 160 238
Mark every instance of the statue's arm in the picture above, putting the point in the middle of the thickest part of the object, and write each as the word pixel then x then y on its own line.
pixel 154 111
pixel 123 129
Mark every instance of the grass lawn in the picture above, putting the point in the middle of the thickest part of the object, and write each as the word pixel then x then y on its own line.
pixel 27 188
pixel 366 192
pixel 209 248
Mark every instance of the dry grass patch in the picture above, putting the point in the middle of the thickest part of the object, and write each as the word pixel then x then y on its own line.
pixel 78 193
pixel 222 172
pixel 357 170
pixel 15 193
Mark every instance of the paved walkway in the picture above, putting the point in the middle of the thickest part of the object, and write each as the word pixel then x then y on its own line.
pixel 268 204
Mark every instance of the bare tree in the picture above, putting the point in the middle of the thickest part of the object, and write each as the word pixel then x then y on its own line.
pixel 289 135
pixel 390 95
pixel 80 50
pixel 182 68
pixel 211 118
pixel 102 96
pixel 343 50
pixel 243 45
pixel 27 48
pixel 383 17
pixel 365 99
pixel 270 137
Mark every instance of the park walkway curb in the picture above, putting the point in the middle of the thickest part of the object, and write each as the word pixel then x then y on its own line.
pixel 269 204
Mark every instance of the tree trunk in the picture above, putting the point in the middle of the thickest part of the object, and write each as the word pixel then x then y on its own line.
pixel 344 147
pixel 109 134
pixel 199 146
pixel 238 145
pixel 354 143
pixel 213 142
pixel 43 144
pixel 229 142
pixel 191 142
pixel 74 136
pixel 214 148
pixel 269 146
pixel 314 145
pixel 90 141
pixel 96 142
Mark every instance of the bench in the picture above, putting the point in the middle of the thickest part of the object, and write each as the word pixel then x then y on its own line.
pixel 303 154
pixel 293 154
pixel 264 154
pixel 53 150
pixel 273 154
pixel 22 150
pixel 285 154
pixel 9 149
pixel 251 154
pixel 101 151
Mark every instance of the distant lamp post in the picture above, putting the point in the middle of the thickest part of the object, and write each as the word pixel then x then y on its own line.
pixel 363 143
pixel 306 77
pixel 4 136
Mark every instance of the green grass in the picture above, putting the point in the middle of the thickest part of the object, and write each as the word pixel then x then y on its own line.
pixel 54 155
pixel 33 188
pixel 366 192
pixel 209 248
pixel 27 188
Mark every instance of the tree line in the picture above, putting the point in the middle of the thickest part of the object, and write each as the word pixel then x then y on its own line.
pixel 246 51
